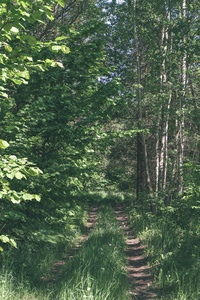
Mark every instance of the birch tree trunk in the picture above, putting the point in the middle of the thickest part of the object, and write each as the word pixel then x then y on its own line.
pixel 162 125
pixel 163 121
pixel 182 106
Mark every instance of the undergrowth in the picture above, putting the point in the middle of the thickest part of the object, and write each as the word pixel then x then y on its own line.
pixel 95 272
pixel 173 252
pixel 21 269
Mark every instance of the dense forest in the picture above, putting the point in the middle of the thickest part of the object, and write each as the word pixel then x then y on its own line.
pixel 99 103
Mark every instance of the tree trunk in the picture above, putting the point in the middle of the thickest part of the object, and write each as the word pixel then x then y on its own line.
pixel 182 106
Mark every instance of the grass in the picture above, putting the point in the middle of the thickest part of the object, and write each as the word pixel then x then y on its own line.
pixel 173 251
pixel 95 272
pixel 13 290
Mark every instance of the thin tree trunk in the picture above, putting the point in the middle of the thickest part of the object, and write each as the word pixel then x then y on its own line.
pixel 175 164
pixel 141 139
pixel 182 105
pixel 163 163
pixel 163 81
pixel 167 124
pixel 157 154
pixel 140 153
pixel 166 142
pixel 139 166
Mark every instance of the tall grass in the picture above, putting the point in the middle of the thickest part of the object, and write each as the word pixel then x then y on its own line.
pixel 173 252
pixel 10 289
pixel 97 271
pixel 22 269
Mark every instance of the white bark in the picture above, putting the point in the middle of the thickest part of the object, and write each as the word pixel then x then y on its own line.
pixel 182 105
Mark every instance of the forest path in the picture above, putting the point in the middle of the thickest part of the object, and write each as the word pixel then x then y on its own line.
pixel 138 274
pixel 56 268
pixel 137 268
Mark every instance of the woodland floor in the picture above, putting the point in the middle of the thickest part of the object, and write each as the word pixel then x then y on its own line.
pixel 138 273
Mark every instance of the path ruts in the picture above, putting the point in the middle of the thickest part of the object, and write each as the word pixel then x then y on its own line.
pixel 137 268
pixel 56 268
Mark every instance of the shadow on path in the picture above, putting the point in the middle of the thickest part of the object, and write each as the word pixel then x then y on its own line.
pixel 56 268
pixel 138 271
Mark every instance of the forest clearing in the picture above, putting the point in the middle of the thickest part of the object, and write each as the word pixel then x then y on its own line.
pixel 99 150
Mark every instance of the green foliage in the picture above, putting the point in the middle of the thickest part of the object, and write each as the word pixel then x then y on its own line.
pixel 69 92
pixel 13 169
pixel 173 251
pixel 96 271
pixel 54 121
pixel 18 47
pixel 18 43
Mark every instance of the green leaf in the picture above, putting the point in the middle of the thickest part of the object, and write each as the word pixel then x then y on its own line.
pixel 17 81
pixel 57 63
pixel 4 238
pixel 60 64
pixel 37 198
pixel 14 29
pixel 23 4
pixel 49 15
pixel 29 58
pixel 28 197
pixel 31 40
pixel 61 2
pixel 14 201
pixel 25 74
pixel 7 27
pixel 10 175
pixel 8 48
pixel 19 175
pixel 39 67
pixel 13 157
pixel 3 144
pixel 56 48
pixel 3 94
pixel 65 49
pixel 60 38
pixel 13 243
pixel 32 171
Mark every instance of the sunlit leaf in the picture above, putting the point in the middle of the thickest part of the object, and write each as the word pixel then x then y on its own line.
pixel 37 198
pixel 19 175
pixel 8 48
pixel 28 196
pixel 56 48
pixel 60 65
pixel 32 171
pixel 4 238
pixel 61 2
pixel 3 144
pixel 65 49
pixel 14 29
pixel 49 15
pixel 13 243
pixel 60 38
pixel 14 201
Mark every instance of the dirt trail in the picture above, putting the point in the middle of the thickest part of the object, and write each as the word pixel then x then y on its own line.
pixel 137 268
pixel 56 268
